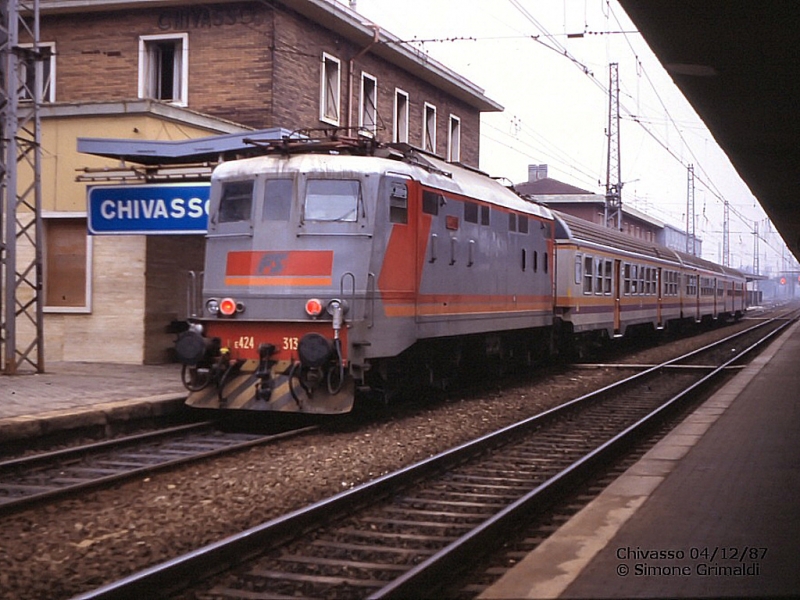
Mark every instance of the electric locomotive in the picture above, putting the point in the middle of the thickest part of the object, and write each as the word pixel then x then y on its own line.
pixel 346 269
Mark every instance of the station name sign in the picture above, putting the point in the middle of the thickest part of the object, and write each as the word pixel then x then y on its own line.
pixel 163 209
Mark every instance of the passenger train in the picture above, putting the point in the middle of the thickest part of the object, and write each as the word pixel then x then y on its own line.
pixel 347 269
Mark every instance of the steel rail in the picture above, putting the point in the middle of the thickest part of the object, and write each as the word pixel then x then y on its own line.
pixel 69 457
pixel 171 575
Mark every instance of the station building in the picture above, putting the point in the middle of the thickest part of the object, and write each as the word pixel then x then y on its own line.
pixel 131 81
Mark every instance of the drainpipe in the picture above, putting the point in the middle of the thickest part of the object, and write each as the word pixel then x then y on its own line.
pixel 375 39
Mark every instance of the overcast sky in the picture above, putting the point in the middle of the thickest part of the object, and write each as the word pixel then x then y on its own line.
pixel 547 63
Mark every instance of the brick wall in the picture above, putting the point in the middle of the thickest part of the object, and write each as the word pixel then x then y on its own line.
pixel 250 63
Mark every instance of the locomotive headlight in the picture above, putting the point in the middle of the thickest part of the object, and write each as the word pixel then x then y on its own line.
pixel 228 306
pixel 212 306
pixel 314 307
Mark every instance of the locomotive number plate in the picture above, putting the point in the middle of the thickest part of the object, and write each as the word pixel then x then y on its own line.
pixel 290 343
pixel 245 342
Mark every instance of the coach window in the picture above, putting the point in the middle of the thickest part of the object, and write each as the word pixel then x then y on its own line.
pixel 277 199
pixel 578 270
pixel 607 277
pixel 236 203
pixel 598 276
pixel 333 200
pixel 588 262
pixel 627 277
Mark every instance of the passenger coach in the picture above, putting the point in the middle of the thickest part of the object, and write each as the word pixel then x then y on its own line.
pixel 609 283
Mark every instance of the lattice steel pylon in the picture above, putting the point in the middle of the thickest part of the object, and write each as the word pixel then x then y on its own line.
pixel 21 318
pixel 613 207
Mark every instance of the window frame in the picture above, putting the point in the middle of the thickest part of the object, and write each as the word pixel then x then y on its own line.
pixel 454 139
pixel 86 308
pixel 180 67
pixel 325 80
pixel 368 110
pixel 48 77
pixel 429 128
pixel 401 116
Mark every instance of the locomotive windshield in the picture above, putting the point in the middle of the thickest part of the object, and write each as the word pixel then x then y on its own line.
pixel 332 200
pixel 236 203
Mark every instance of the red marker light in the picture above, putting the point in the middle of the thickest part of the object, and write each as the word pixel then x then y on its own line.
pixel 227 306
pixel 313 307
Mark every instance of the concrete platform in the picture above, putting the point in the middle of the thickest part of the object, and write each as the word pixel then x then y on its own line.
pixel 80 395
pixel 713 510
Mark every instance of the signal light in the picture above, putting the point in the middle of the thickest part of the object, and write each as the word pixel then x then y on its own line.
pixel 783 280
pixel 227 306
pixel 313 307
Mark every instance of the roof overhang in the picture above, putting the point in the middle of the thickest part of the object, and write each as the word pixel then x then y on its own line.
pixel 738 64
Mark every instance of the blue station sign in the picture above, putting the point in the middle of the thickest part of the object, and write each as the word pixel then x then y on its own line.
pixel 162 209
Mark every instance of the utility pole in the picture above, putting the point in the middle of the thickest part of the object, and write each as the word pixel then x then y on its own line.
pixel 726 235
pixel 690 232
pixel 21 318
pixel 613 208
pixel 756 267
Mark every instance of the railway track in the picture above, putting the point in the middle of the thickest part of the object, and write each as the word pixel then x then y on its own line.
pixel 37 478
pixel 408 533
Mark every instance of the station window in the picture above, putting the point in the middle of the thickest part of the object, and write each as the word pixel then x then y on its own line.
pixel 236 203
pixel 401 104
pixel 164 68
pixel 27 74
pixel 454 139
pixel 429 129
pixel 368 118
pixel 330 86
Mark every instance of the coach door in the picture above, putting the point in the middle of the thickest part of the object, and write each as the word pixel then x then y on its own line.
pixel 617 295
pixel 659 299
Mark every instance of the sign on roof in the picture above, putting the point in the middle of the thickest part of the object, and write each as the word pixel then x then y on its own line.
pixel 163 209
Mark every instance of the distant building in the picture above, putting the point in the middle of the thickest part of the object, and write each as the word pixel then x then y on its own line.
pixel 591 207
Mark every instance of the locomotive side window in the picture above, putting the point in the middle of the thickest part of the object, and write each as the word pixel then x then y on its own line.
pixel 470 212
pixel 522 224
pixel 333 200
pixel 430 202
pixel 277 199
pixel 237 201
pixel 512 222
pixel 398 203
pixel 485 212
